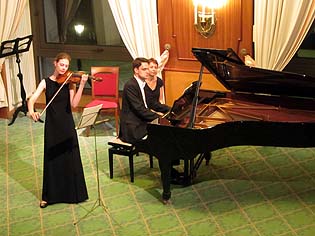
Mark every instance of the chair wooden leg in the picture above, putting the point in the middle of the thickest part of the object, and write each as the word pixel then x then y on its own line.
pixel 116 121
pixel 111 165
pixel 87 131
pixel 132 175
pixel 151 161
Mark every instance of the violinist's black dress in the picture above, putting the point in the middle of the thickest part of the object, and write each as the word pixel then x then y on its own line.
pixel 63 177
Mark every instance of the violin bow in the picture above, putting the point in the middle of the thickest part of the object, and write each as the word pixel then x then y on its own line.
pixel 68 77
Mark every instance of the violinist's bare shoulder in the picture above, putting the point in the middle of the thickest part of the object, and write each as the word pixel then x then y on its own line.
pixel 41 87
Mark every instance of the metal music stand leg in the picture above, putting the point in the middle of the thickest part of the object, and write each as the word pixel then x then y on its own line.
pixel 23 107
pixel 15 47
pixel 99 201
pixel 88 118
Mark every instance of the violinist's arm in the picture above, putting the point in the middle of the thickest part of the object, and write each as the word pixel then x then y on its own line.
pixel 30 104
pixel 76 97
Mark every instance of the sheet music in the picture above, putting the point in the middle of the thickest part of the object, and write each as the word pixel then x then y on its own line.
pixel 89 116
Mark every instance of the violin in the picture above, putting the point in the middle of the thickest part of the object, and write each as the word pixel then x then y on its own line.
pixel 74 77
pixel 67 77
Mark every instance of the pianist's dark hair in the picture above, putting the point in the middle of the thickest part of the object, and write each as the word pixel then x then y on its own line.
pixel 136 63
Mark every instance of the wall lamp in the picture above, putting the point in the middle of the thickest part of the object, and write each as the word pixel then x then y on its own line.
pixel 204 15
pixel 79 28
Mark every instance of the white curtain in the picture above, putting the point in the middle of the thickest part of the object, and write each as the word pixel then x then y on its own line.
pixel 105 27
pixel 15 22
pixel 279 29
pixel 66 11
pixel 136 21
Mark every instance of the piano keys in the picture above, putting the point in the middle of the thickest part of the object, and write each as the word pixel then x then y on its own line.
pixel 262 107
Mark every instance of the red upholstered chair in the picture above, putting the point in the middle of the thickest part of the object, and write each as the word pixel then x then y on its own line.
pixel 105 92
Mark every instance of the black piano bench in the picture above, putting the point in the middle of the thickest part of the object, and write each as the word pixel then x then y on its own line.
pixel 121 148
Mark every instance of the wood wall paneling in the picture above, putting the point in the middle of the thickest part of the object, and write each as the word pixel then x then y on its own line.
pixel 176 27
pixel 177 82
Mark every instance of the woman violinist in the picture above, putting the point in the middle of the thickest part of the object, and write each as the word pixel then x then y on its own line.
pixel 63 176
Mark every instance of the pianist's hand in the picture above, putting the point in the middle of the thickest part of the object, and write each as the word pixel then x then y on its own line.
pixel 155 121
pixel 159 113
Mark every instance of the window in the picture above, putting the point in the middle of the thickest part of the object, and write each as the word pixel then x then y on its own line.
pixel 307 48
pixel 84 28
pixel 304 58
pixel 80 22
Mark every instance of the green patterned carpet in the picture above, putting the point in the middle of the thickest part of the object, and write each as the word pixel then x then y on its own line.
pixel 244 191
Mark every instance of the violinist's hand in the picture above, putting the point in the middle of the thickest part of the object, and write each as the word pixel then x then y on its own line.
pixel 84 78
pixel 34 115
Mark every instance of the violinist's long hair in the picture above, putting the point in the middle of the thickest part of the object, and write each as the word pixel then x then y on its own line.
pixel 62 55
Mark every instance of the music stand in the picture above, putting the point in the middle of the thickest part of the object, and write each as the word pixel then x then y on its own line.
pixel 14 47
pixel 88 118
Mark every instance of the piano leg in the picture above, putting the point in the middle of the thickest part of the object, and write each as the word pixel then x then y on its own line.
pixel 188 172
pixel 207 157
pixel 194 167
pixel 165 168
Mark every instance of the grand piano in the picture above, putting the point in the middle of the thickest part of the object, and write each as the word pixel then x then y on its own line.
pixel 263 108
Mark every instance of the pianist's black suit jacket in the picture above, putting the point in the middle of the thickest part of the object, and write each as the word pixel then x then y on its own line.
pixel 134 116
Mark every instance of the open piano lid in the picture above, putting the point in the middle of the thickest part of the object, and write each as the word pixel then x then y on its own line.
pixel 231 71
